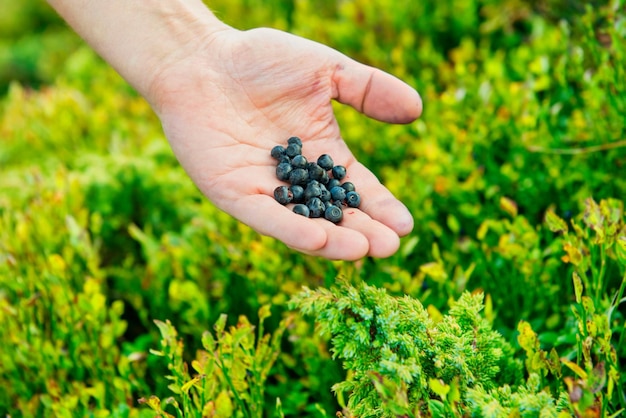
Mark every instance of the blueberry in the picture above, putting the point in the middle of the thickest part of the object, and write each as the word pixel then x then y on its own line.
pixel 333 213
pixel 298 193
pixel 325 195
pixel 283 170
pixel 353 199
pixel 325 162
pixel 316 172
pixel 293 150
pixel 299 177
pixel 332 183
pixel 339 171
pixel 283 195
pixel 301 209
pixel 299 161
pixel 325 179
pixel 295 140
pixel 348 187
pixel 312 190
pixel 277 152
pixel 284 159
pixel 316 207
pixel 338 193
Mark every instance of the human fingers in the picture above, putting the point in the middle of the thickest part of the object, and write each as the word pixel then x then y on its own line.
pixel 383 241
pixel 375 93
pixel 378 202
pixel 317 237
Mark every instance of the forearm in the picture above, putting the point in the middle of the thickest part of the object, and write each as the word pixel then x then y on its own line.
pixel 139 38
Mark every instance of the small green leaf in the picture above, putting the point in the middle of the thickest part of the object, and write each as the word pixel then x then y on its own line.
pixel 578 287
pixel 527 338
pixel 588 305
pixel 509 206
pixel 264 312
pixel 435 271
pixel 575 368
pixel 185 388
pixel 208 342
pixel 439 388
pixel 555 223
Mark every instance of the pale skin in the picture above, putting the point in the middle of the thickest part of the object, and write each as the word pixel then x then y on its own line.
pixel 225 97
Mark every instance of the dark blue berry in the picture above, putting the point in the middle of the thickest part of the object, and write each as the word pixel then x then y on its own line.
pixel 333 213
pixel 301 209
pixel 339 171
pixel 332 183
pixel 353 199
pixel 316 207
pixel 312 190
pixel 293 150
pixel 325 162
pixel 325 195
pixel 298 193
pixel 284 159
pixel 299 177
pixel 283 195
pixel 294 140
pixel 316 172
pixel 277 152
pixel 348 187
pixel 325 179
pixel 299 161
pixel 283 170
pixel 338 193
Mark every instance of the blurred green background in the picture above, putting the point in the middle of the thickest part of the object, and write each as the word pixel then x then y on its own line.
pixel 101 232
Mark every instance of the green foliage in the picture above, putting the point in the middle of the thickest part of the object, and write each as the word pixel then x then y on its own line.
pixel 514 176
pixel 230 372
pixel 398 358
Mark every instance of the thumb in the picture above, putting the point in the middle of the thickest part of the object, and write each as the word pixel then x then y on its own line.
pixel 375 93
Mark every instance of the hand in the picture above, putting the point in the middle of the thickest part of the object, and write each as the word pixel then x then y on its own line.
pixel 229 101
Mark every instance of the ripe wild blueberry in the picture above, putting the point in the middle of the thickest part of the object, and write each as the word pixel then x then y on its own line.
pixel 277 152
pixel 299 177
pixel 353 199
pixel 348 187
pixel 333 213
pixel 325 179
pixel 325 162
pixel 283 170
pixel 332 183
pixel 339 172
pixel 293 150
pixel 299 161
pixel 294 140
pixel 338 193
pixel 316 207
pixel 301 209
pixel 325 195
pixel 283 195
pixel 312 190
pixel 316 172
pixel 298 193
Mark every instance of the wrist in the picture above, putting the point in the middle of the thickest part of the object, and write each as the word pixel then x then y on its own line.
pixel 141 39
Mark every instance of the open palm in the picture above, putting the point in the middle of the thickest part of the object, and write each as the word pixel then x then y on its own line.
pixel 225 107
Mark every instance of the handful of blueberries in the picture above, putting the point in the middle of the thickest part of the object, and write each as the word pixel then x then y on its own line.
pixel 316 187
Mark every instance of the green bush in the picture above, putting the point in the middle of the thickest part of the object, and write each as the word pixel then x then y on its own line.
pixel 506 299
